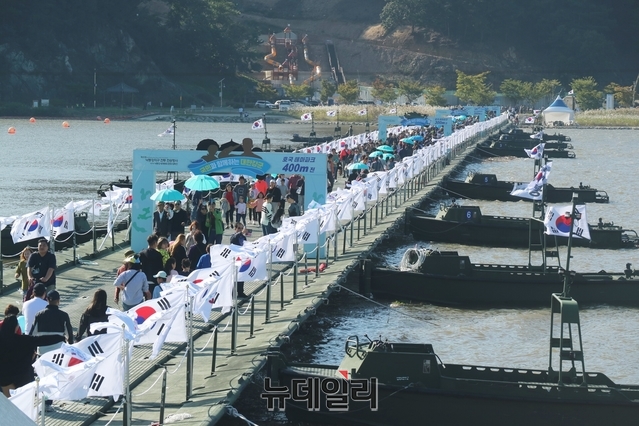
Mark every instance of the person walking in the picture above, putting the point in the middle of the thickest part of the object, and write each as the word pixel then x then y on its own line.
pixel 52 321
pixel 267 215
pixel 229 196
pixel 42 265
pixel 151 260
pixel 179 221
pixel 133 285
pixel 95 312
pixel 238 239
pixel 32 307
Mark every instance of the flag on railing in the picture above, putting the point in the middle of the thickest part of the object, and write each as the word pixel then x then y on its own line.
pixel 523 191
pixel 331 113
pixel 306 116
pixel 63 220
pixel 169 131
pixel 393 111
pixel 216 292
pixel 572 92
pixel 361 112
pixel 32 225
pixel 558 221
pixel 258 124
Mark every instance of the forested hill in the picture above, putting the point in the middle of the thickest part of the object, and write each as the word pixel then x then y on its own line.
pixel 54 49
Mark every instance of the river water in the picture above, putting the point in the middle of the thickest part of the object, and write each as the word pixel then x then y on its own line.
pixel 45 163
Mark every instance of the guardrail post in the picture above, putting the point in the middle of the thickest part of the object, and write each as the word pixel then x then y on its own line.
pixel 213 358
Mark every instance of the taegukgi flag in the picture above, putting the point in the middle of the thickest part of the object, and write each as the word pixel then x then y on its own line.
pixel 330 113
pixel 558 221
pixel 258 124
pixel 306 117
pixel 63 220
pixel 361 112
pixel 168 131
pixel 539 135
pixel 537 152
pixel 31 226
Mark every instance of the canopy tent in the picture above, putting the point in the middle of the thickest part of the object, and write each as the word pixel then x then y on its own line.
pixel 558 111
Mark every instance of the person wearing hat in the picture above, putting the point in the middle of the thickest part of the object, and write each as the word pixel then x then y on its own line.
pixel 131 285
pixel 161 278
pixel 52 321
pixel 31 307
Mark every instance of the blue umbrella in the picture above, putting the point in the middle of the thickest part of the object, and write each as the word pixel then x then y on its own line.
pixel 201 183
pixel 358 166
pixel 385 148
pixel 417 138
pixel 375 154
pixel 167 195
pixel 408 141
pixel 388 156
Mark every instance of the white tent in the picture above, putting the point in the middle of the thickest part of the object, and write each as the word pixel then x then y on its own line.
pixel 558 111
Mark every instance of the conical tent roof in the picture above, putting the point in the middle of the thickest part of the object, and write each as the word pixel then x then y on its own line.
pixel 558 112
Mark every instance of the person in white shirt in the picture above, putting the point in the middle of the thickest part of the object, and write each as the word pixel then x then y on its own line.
pixel 31 307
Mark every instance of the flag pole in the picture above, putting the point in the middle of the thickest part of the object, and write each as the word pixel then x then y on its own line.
pixel 266 142
pixel 189 355
pixel 126 414
pixel 95 242
pixel 235 313
pixel 174 127
pixel 268 283
pixel 574 215
pixel 52 237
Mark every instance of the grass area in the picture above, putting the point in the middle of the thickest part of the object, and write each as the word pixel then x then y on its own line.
pixel 621 117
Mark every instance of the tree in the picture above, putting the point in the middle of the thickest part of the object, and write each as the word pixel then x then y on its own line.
pixel 411 90
pixel 513 89
pixel 434 96
pixel 622 94
pixel 298 92
pixel 586 93
pixel 349 91
pixel 328 89
pixel 473 88
pixel 403 12
pixel 265 91
pixel 384 90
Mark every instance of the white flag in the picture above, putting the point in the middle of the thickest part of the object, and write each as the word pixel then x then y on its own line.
pixel 148 316
pixel 572 92
pixel 109 374
pixel 4 221
pixel 215 293
pixel 529 120
pixel 70 383
pixel 26 400
pixel 306 117
pixel 361 112
pixel 330 113
pixel 522 190
pixel 258 124
pixel 537 152
pixel 174 317
pixel 252 260
pixel 63 220
pixel 539 135
pixel 168 131
pixel 31 226
pixel 393 111
pixel 282 248
pixel 541 178
pixel 558 222
pixel 307 231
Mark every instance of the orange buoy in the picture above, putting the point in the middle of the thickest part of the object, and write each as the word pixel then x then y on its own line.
pixel 12 130
pixel 107 121
pixel 32 120
pixel 65 124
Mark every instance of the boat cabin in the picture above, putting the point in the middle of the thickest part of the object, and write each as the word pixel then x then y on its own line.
pixel 482 179
pixel 391 363
pixel 461 214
